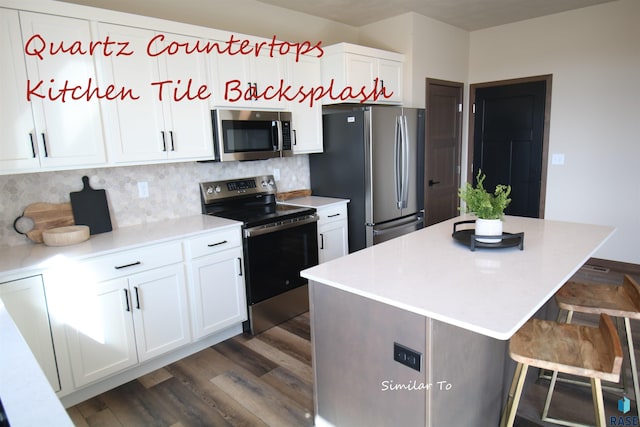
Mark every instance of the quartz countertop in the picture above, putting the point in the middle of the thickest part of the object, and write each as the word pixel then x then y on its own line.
pixel 26 395
pixel 488 291
pixel 32 256
pixel 315 201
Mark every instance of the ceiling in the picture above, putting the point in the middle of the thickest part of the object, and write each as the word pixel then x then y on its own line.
pixel 466 14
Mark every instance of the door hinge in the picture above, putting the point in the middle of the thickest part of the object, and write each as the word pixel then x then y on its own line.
pixel 460 108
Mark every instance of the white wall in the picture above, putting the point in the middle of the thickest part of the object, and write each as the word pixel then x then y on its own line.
pixel 594 56
pixel 432 50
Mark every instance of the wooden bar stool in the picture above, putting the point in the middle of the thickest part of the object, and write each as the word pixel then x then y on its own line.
pixel 615 301
pixel 585 351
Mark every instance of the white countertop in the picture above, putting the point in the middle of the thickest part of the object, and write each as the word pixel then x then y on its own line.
pixel 488 291
pixel 30 256
pixel 26 395
pixel 315 201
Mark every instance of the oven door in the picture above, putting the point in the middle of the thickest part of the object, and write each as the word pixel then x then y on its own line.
pixel 274 257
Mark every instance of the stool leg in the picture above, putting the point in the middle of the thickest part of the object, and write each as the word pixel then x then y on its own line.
pixel 515 391
pixel 547 401
pixel 632 360
pixel 554 377
pixel 598 401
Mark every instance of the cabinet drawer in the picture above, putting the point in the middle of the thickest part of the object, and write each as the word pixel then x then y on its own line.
pixel 214 242
pixel 332 213
pixel 133 261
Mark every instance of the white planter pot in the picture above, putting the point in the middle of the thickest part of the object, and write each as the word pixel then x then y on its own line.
pixel 489 227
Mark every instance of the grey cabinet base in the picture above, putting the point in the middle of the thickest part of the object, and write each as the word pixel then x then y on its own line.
pixel 358 382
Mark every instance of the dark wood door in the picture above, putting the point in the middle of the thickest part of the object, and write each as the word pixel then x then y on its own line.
pixel 442 151
pixel 509 128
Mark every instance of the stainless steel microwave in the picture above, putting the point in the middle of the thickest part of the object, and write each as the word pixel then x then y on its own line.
pixel 251 135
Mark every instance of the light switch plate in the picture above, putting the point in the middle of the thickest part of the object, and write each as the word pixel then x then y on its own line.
pixel 557 159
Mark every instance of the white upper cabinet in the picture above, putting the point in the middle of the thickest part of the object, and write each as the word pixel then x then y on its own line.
pixel 49 119
pixel 306 116
pixel 166 117
pixel 362 74
pixel 248 80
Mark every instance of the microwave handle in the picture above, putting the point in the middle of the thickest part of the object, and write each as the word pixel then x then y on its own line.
pixel 279 136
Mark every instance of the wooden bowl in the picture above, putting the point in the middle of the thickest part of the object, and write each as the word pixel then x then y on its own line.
pixel 63 236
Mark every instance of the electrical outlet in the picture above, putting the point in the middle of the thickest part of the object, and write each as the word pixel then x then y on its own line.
pixel 407 357
pixel 143 190
pixel 276 174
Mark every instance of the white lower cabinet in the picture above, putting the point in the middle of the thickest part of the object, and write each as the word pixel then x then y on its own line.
pixel 117 315
pixel 218 297
pixel 25 301
pixel 218 292
pixel 333 232
pixel 115 324
pixel 333 241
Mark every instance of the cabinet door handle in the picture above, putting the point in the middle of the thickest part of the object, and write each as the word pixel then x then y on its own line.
pixel 321 241
pixel 333 215
pixel 44 142
pixel 251 93
pixel 126 298
pixel 33 146
pixel 173 148
pixel 217 243
pixel 137 297
pixel 240 266
pixel 164 142
pixel 119 267
pixel 295 137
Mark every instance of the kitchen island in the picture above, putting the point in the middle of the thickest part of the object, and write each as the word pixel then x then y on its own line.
pixel 451 310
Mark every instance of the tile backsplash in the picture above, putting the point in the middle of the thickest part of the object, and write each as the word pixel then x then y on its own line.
pixel 173 189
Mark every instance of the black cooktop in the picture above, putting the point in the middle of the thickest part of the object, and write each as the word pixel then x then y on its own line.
pixel 255 216
pixel 250 200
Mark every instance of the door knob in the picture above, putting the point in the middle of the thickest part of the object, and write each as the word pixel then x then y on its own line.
pixel 432 182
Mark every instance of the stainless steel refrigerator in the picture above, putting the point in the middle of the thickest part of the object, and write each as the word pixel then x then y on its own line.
pixel 373 156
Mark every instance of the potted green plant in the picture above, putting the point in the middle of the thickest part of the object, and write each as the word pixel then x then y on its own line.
pixel 488 207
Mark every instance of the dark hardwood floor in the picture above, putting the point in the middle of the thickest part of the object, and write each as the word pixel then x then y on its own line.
pixel 267 380
pixel 264 380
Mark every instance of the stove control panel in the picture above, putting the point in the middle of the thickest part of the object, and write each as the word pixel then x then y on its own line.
pixel 217 190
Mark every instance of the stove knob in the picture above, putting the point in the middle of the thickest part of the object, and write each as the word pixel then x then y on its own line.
pixel 212 190
pixel 271 183
pixel 264 184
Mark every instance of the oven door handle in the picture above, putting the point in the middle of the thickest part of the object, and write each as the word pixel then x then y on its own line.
pixel 272 228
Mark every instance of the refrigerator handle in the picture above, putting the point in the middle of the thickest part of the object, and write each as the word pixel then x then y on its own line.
pixel 398 161
pixel 405 162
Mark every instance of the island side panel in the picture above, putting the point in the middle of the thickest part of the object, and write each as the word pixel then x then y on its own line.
pixel 468 371
pixel 356 379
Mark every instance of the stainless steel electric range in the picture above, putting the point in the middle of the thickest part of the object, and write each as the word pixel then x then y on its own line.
pixel 279 241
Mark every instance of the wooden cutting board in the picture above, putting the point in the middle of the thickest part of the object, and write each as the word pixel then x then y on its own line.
pixel 90 208
pixel 46 216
